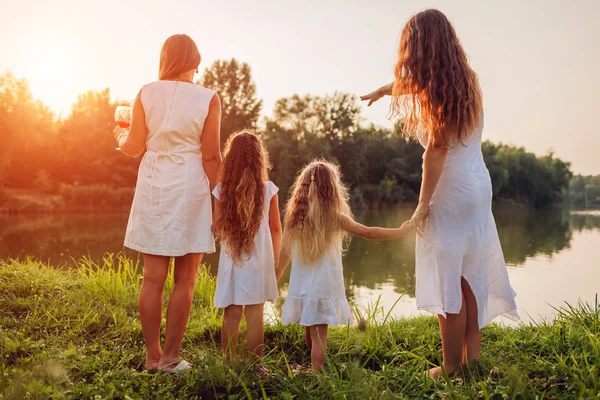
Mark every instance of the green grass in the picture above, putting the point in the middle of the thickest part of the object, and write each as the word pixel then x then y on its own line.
pixel 74 333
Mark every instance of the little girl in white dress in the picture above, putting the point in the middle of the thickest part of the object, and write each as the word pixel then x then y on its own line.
pixel 317 222
pixel 248 223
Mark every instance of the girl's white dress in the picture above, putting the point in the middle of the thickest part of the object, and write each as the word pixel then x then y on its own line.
pixel 316 293
pixel 253 282
pixel 171 213
pixel 461 240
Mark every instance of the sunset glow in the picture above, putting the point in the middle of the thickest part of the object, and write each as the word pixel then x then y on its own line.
pixel 538 78
pixel 52 76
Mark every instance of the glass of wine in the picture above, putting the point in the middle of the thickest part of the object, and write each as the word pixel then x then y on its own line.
pixel 123 117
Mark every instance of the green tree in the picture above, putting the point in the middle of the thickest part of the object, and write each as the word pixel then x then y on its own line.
pixel 584 192
pixel 307 127
pixel 87 151
pixel 27 129
pixel 232 81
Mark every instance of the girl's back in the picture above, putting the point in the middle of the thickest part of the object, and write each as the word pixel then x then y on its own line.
pixel 248 223
pixel 251 280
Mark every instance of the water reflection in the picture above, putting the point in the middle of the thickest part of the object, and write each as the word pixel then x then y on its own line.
pixel 581 220
pixel 530 239
pixel 60 238
pixel 526 232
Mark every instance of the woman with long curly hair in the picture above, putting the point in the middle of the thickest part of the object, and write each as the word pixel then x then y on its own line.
pixel 248 224
pixel 317 223
pixel 460 269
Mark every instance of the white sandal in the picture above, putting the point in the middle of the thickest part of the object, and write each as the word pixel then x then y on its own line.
pixel 181 367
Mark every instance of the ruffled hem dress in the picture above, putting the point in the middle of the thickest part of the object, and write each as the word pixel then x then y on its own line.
pixel 316 293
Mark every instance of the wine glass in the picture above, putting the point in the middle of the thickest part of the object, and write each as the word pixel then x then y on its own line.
pixel 123 117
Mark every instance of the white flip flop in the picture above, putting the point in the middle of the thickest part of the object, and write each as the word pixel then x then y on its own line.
pixel 181 367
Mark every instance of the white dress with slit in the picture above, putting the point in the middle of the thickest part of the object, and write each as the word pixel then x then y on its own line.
pixel 316 294
pixel 461 240
pixel 171 214
pixel 253 281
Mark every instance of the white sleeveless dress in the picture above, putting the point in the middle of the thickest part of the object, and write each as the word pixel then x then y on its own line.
pixel 171 214
pixel 316 293
pixel 461 240
pixel 253 282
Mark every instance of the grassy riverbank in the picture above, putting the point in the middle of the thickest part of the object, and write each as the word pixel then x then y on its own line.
pixel 75 334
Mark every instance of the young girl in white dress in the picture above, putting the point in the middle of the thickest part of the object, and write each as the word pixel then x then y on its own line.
pixel 317 222
pixel 248 224
pixel 460 269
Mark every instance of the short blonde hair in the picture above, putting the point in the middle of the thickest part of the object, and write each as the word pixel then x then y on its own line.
pixel 179 54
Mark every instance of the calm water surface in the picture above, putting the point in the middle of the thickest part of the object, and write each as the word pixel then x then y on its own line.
pixel 552 255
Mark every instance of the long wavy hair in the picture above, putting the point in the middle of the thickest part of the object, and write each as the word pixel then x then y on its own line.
pixel 445 98
pixel 313 216
pixel 243 176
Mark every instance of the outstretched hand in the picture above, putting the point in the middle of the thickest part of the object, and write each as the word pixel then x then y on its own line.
pixel 419 218
pixel 372 97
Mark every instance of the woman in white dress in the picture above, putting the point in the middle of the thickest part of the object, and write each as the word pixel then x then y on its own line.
pixel 460 270
pixel 248 224
pixel 178 124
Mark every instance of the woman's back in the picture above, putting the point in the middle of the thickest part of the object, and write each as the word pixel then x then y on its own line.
pixel 175 114
pixel 466 157
pixel 171 212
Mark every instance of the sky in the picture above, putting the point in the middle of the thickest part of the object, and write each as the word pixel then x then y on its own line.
pixel 538 60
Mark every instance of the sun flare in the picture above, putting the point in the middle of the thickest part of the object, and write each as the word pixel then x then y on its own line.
pixel 52 73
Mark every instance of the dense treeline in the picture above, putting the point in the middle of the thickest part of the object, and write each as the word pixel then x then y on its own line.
pixel 73 160
pixel 584 192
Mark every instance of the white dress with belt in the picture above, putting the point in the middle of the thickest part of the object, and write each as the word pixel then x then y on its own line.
pixel 171 214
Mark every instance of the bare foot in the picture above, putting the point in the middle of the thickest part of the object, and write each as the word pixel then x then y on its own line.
pixel 438 372
pixel 435 373
pixel 151 364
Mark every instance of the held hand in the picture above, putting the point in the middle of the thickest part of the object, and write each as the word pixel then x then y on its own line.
pixel 419 218
pixel 407 227
pixel 372 97
pixel 119 131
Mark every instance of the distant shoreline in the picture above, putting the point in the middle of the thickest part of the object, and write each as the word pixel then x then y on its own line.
pixel 118 200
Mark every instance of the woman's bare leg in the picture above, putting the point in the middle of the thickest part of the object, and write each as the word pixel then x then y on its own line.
pixel 452 329
pixel 256 330
pixel 318 336
pixel 472 342
pixel 156 269
pixel 180 304
pixel 232 316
